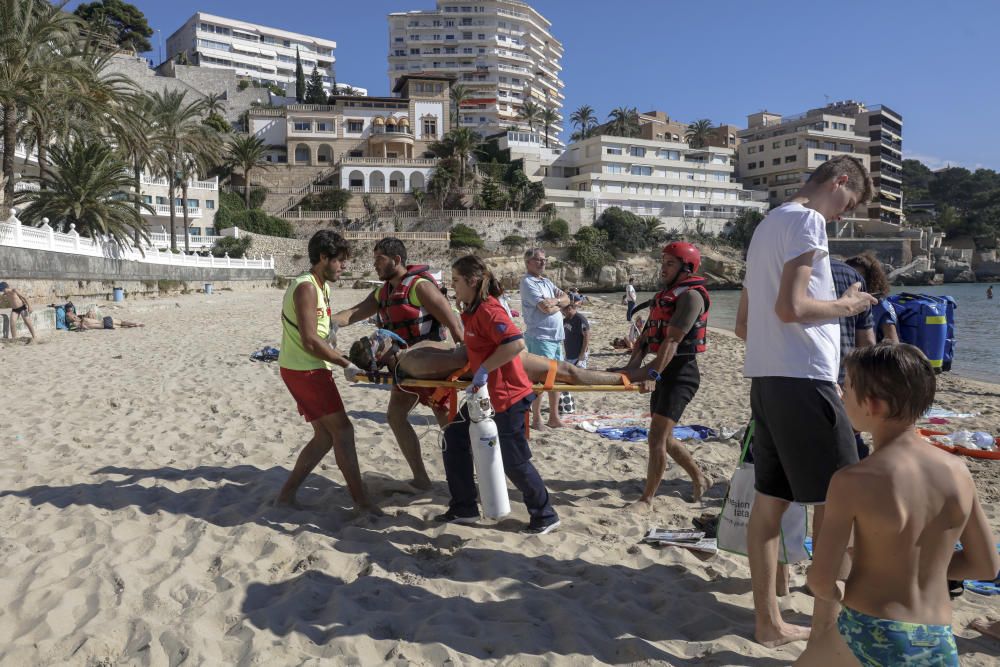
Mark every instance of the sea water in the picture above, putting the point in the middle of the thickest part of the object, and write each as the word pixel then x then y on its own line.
pixel 977 324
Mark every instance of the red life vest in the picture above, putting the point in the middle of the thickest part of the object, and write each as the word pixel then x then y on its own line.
pixel 664 303
pixel 397 314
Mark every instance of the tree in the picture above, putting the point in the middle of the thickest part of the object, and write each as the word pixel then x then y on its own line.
pixel 181 58
pixel 626 231
pixel 698 133
pixel 88 186
pixel 300 78
pixel 624 122
pixel 334 199
pixel 459 143
pixel 246 152
pixel 463 236
pixel 124 23
pixel 231 246
pixel 314 89
pixel 554 231
pixel 419 196
pixel 585 121
pixel 589 251
pixel 37 41
pixel 180 137
pixel 492 196
pixel 740 230
pixel 218 123
pixel 548 118
pixel 530 113
pixel 458 94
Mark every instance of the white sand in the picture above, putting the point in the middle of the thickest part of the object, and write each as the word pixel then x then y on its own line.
pixel 135 524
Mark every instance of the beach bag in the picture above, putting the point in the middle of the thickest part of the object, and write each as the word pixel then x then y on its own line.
pixel 736 510
pixel 61 318
pixel 566 404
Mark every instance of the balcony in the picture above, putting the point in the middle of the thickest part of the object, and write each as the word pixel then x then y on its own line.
pixel 388 161
pixel 164 210
pixel 311 131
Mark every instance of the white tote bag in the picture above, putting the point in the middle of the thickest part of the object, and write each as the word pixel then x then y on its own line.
pixel 735 518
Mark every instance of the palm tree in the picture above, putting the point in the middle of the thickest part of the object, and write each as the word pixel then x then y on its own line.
pixel 458 94
pixel 585 121
pixel 37 40
pixel 548 117
pixel 624 122
pixel 88 186
pixel 246 152
pixel 459 144
pixel 699 133
pixel 530 114
pixel 180 135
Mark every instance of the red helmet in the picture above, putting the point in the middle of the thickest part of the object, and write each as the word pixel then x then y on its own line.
pixel 685 252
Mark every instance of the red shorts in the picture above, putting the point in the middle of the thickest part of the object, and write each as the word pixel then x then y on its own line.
pixel 314 391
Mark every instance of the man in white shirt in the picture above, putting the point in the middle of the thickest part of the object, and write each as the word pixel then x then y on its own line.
pixel 629 300
pixel 788 315
pixel 542 303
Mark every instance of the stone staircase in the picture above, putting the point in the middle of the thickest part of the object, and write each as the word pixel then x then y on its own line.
pixel 287 185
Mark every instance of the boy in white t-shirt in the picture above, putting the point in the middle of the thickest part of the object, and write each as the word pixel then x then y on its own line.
pixel 788 315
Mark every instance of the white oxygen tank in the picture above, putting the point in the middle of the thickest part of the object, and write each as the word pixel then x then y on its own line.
pixel 486 456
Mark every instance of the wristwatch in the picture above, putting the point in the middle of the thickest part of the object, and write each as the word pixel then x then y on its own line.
pixel 653 375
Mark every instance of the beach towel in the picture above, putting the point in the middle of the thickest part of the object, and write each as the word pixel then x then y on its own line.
pixel 935 411
pixel 265 354
pixel 636 434
pixel 983 587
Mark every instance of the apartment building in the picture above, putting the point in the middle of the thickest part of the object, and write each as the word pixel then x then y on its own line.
pixel 502 50
pixel 367 144
pixel 777 154
pixel 202 203
pixel 664 178
pixel 257 53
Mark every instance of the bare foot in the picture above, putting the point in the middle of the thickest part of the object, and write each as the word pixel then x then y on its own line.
pixel 639 507
pixel 986 627
pixel 699 486
pixel 785 633
pixel 537 425
pixel 368 510
pixel 288 502
pixel 421 484
pixel 555 423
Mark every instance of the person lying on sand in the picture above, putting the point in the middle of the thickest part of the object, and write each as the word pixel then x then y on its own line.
pixel 439 361
pixel 91 321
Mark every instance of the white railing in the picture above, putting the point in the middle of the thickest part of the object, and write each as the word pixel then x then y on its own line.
pixel 435 215
pixel 16 235
pixel 164 209
pixel 146 179
pixel 161 240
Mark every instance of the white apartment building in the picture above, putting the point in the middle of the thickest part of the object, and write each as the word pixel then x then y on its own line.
pixel 683 186
pixel 777 154
pixel 202 203
pixel 257 53
pixel 502 50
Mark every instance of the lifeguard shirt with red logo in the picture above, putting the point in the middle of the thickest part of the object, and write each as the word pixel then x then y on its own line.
pixel 487 327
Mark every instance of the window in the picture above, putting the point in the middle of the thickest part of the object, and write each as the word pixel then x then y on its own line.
pixel 637 151
pixel 791 158
pixel 638 170
pixel 210 204
pixel 668 155
pixel 355 154
pixel 194 231
pixel 355 126
pixel 790 191
pixel 147 199
pixel 846 147
pixel 756 181
pixel 430 127
pixel 751 150
pixel 613 150
pixel 829 145
pixel 776 144
pixel 303 126
pixel 414 52
pixel 210 231
pixel 812 143
pixel 161 201
pixel 324 126
pixel 840 126
pixel 789 142
pixel 481 36
pixel 821 157
pixel 776 161
pixel 613 169
pixel 752 165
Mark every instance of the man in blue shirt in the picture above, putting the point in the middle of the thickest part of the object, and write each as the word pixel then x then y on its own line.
pixel 542 303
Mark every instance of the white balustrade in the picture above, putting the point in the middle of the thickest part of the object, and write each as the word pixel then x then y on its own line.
pixel 14 234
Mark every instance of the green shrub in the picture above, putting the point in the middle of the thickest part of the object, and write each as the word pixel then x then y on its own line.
pixel 514 241
pixel 626 231
pixel 554 231
pixel 258 222
pixel 590 250
pixel 236 248
pixel 328 200
pixel 463 236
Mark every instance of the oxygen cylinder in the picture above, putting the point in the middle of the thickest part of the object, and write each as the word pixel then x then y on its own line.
pixel 486 456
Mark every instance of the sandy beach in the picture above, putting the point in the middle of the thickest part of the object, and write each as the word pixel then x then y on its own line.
pixel 136 525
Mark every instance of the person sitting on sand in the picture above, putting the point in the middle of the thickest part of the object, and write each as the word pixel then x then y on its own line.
pixel 907 505
pixel 439 361
pixel 90 321
pixel 19 308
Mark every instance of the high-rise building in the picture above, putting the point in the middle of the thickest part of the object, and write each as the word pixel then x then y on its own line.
pixel 502 51
pixel 257 53
pixel 777 154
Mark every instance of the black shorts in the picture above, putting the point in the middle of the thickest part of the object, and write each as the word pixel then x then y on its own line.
pixel 801 437
pixel 20 311
pixel 109 323
pixel 678 384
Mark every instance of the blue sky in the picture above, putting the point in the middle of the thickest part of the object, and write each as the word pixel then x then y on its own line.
pixel 934 62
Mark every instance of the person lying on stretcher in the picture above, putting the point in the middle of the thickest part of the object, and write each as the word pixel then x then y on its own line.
pixel 439 361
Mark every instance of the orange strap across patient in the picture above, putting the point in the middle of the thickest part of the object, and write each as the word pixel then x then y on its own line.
pixel 625 381
pixel 550 376
pixel 450 392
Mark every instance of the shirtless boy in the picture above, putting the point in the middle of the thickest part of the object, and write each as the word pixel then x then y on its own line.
pixel 907 505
